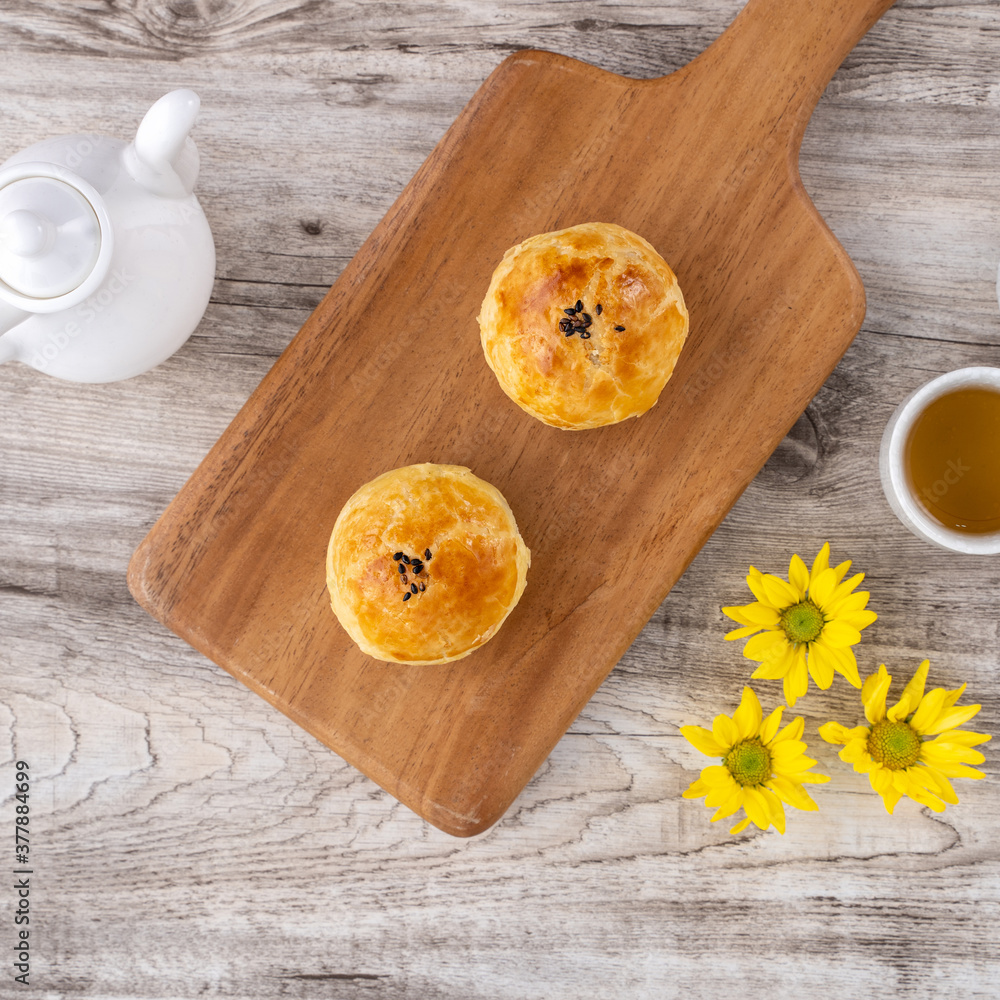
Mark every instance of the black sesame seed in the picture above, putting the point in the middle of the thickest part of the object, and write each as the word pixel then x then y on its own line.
pixel 427 553
pixel 569 333
pixel 422 587
pixel 401 568
pixel 585 335
pixel 599 309
pixel 413 588
pixel 620 329
pixel 579 305
pixel 564 325
pixel 570 312
pixel 397 556
pixel 406 559
pixel 407 596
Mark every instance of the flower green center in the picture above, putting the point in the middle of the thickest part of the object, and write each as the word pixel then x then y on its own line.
pixel 749 762
pixel 802 622
pixel 894 745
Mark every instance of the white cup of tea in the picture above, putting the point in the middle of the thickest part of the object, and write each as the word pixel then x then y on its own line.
pixel 940 461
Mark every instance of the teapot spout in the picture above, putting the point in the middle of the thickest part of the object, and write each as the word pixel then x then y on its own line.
pixel 162 158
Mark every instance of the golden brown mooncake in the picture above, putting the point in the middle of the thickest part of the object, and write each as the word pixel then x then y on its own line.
pixel 582 327
pixel 424 564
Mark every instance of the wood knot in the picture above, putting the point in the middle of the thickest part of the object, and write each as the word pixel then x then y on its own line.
pixel 797 455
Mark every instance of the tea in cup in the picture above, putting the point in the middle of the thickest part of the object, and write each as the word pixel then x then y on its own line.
pixel 940 461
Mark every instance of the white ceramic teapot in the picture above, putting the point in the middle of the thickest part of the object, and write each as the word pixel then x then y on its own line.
pixel 106 258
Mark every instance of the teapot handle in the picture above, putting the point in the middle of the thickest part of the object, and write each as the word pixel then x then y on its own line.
pixel 162 158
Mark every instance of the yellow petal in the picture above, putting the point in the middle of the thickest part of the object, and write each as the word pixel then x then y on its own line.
pixel 735 612
pixel 797 678
pixel 890 797
pixel 960 737
pixel 942 786
pixel 788 690
pixel 798 576
pixel 748 716
pixel 822 587
pixel 742 633
pixel 741 826
pixel 952 696
pixel 812 778
pixel 794 767
pixel 770 725
pixel 697 789
pixel 913 692
pixel 839 634
pixel 756 808
pixel 857 619
pixel 729 805
pixel 845 587
pixel 774 808
pixel 721 794
pixel 951 719
pixel 783 751
pixel 792 793
pixel 873 694
pixel 725 732
pixel 840 570
pixel 863 764
pixel 820 666
pixel 717 776
pixel 880 780
pixel 958 770
pixel 834 732
pixel 779 593
pixel 792 731
pixel 755 585
pixel 849 604
pixel 928 710
pixel 766 646
pixel 924 797
pixel 760 614
pixel 855 748
pixel 784 663
pixel 771 670
pixel 845 663
pixel 701 739
pixel 949 754
pixel 821 562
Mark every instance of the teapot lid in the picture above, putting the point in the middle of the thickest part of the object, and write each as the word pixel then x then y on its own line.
pixel 50 237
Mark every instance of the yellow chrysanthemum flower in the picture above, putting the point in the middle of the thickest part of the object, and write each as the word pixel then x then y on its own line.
pixel 893 751
pixel 809 622
pixel 760 769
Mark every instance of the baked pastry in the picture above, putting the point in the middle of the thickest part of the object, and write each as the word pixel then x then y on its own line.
pixel 583 326
pixel 424 564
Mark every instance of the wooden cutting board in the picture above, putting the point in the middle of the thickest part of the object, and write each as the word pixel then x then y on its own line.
pixel 388 371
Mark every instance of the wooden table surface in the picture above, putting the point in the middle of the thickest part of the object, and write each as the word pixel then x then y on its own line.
pixel 188 840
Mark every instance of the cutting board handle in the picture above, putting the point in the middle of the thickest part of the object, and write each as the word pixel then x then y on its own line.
pixel 778 56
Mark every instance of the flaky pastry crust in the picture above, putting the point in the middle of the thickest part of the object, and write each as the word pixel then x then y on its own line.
pixel 469 584
pixel 533 335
